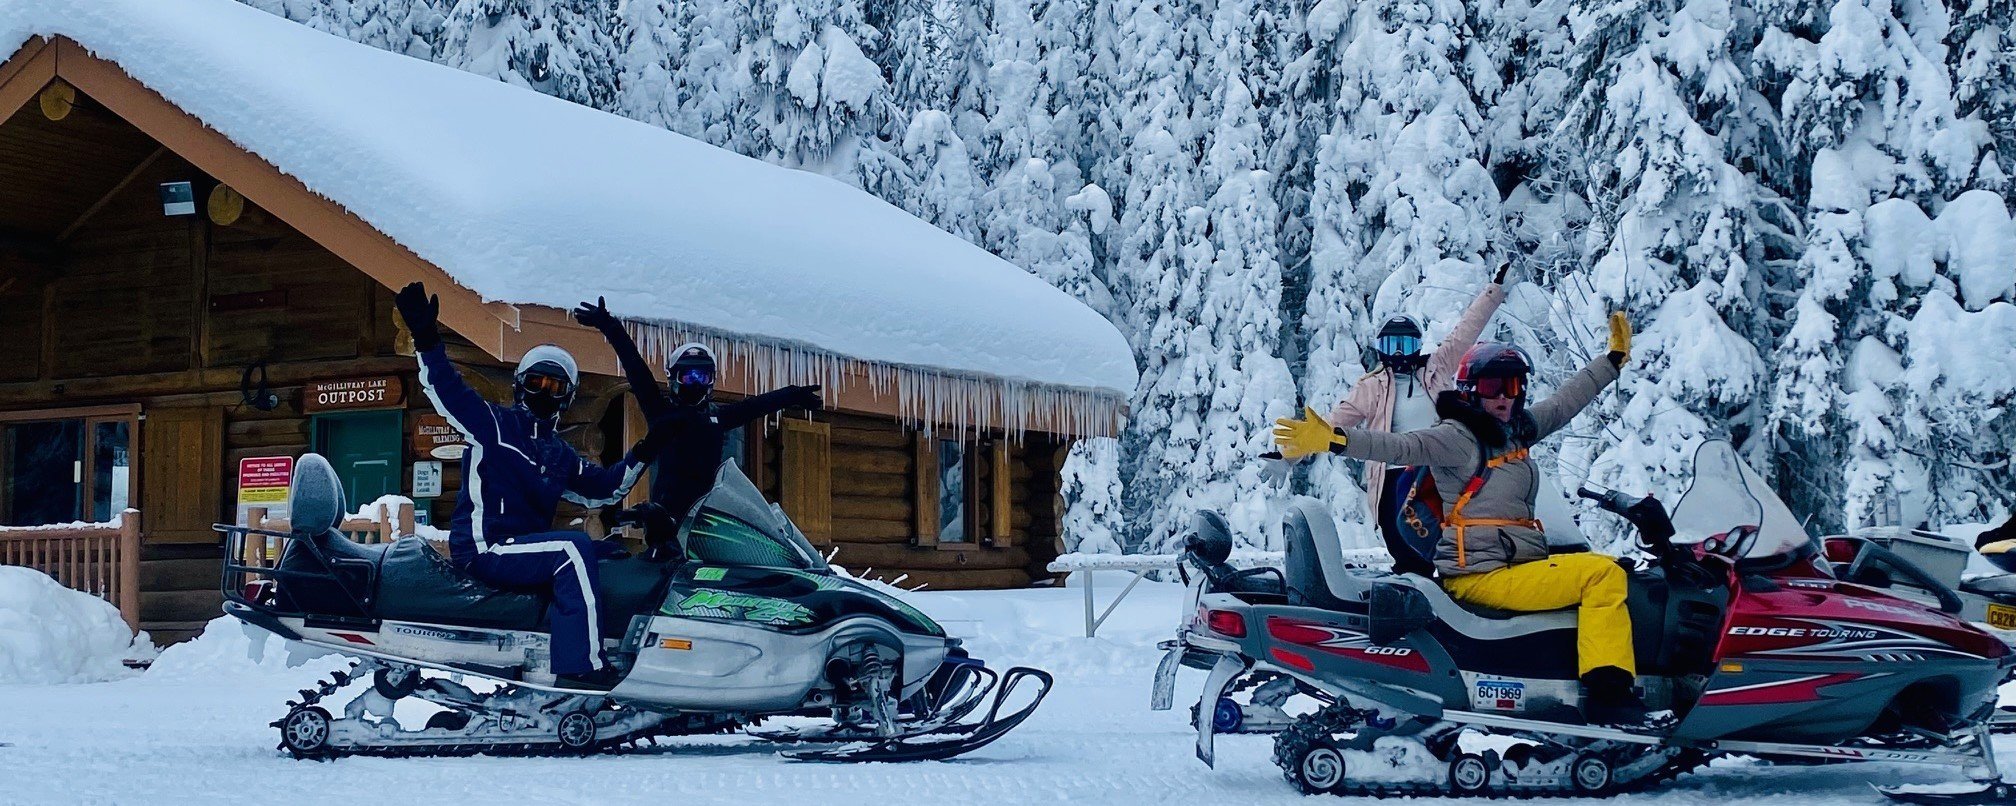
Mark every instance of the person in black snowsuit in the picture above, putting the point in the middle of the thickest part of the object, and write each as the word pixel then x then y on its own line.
pixel 690 429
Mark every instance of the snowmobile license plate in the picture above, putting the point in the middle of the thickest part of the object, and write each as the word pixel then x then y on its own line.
pixel 2002 617
pixel 1501 695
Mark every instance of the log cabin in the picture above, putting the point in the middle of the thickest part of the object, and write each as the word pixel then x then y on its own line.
pixel 203 218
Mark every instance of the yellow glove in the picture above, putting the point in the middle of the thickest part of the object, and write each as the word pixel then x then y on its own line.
pixel 1620 338
pixel 1306 436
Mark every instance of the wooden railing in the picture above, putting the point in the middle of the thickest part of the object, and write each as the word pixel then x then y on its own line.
pixel 100 559
pixel 388 526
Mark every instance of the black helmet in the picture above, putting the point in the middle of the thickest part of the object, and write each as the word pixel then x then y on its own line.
pixel 1399 344
pixel 545 381
pixel 692 373
pixel 1494 369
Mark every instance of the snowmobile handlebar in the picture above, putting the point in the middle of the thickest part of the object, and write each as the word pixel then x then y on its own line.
pixel 1655 526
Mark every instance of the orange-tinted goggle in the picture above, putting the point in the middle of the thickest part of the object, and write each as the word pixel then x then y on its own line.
pixel 1499 387
pixel 544 384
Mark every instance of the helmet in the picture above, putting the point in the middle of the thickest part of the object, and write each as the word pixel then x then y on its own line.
pixel 692 373
pixel 1494 369
pixel 545 380
pixel 1399 344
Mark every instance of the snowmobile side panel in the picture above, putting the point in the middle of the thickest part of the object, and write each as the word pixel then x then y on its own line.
pixel 707 664
pixel 787 600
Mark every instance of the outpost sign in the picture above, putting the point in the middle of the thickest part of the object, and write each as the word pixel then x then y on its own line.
pixel 361 393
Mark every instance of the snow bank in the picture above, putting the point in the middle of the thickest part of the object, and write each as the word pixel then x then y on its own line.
pixel 228 648
pixel 510 191
pixel 52 634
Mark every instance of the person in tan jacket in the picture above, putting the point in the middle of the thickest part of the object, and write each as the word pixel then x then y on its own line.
pixel 1492 551
pixel 1399 396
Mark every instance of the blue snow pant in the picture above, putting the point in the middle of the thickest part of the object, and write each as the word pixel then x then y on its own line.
pixel 562 564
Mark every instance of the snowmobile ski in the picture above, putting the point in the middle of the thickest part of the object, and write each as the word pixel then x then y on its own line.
pixel 950 740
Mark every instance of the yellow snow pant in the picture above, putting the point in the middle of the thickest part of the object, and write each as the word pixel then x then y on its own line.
pixel 1592 581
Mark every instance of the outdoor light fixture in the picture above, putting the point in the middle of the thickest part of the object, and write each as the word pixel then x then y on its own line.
pixel 178 198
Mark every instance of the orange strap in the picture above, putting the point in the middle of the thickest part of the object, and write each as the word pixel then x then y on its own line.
pixel 1470 490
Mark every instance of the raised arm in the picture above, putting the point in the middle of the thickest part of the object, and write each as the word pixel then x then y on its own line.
pixel 1441 445
pixel 452 396
pixel 1558 409
pixel 1449 354
pixel 747 410
pixel 643 380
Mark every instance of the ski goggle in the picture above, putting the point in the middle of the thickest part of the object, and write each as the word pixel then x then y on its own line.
pixel 1398 345
pixel 1499 387
pixel 544 384
pixel 695 376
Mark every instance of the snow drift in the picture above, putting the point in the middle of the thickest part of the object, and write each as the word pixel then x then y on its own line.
pixel 52 634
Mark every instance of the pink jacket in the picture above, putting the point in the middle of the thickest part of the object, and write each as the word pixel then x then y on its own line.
pixel 1370 405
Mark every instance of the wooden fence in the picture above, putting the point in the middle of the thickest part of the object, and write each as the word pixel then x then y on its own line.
pixel 388 526
pixel 100 559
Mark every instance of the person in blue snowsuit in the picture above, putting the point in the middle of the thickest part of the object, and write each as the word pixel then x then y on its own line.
pixel 515 472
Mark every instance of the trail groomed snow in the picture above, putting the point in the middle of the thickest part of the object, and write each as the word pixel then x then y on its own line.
pixel 193 730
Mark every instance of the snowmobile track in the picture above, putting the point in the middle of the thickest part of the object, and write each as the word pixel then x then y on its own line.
pixel 1320 725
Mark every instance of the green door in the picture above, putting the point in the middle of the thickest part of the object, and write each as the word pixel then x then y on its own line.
pixel 365 447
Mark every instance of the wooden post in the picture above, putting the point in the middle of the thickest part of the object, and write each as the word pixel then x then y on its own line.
pixel 406 526
pixel 253 552
pixel 129 568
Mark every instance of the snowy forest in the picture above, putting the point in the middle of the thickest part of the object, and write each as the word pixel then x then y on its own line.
pixel 1802 205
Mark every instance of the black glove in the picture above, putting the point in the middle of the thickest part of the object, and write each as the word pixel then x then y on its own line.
pixel 610 549
pixel 806 397
pixel 422 313
pixel 596 315
pixel 1499 278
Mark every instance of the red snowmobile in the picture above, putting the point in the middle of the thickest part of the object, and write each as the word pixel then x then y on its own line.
pixel 1741 628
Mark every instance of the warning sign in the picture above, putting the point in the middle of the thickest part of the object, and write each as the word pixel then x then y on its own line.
pixel 434 438
pixel 263 482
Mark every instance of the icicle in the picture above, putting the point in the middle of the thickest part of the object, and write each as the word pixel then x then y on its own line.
pixel 925 398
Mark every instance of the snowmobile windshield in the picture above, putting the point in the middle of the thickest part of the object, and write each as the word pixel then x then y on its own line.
pixel 734 526
pixel 1730 509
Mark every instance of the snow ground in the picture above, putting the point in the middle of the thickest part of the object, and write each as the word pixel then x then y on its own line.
pixel 193 730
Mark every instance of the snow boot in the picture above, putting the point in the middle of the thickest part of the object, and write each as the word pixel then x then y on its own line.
pixel 602 679
pixel 1613 702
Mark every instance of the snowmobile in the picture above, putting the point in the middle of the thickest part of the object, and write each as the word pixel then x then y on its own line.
pixel 747 623
pixel 1988 601
pixel 1741 628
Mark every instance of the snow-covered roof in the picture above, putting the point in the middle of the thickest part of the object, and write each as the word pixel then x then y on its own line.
pixel 527 199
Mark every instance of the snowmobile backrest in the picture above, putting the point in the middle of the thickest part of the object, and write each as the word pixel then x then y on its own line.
pixel 1315 556
pixel 317 496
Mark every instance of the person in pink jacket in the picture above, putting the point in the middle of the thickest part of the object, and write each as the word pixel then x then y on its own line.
pixel 1399 395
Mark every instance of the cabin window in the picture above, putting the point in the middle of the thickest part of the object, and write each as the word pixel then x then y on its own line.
pixel 64 470
pixel 952 472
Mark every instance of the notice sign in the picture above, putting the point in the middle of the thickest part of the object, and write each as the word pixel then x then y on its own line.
pixel 363 393
pixel 263 482
pixel 434 438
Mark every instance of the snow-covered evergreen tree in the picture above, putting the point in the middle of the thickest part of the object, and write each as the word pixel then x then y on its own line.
pixel 563 48
pixel 1802 203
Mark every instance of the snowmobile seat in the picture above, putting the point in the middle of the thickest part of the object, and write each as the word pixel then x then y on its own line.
pixel 416 583
pixel 1483 623
pixel 1314 559
pixel 1997 585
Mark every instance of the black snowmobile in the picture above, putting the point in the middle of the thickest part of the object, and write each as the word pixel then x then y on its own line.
pixel 747 622
pixel 1743 628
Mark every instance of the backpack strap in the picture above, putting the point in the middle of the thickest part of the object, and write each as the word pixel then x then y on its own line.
pixel 1462 523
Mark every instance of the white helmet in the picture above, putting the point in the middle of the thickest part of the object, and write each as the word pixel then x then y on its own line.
pixel 542 397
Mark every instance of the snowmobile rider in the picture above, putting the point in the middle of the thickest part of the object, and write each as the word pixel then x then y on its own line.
pixel 516 470
pixel 1492 552
pixel 695 428
pixel 1399 396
